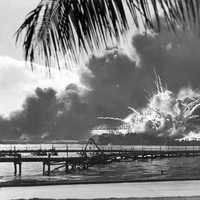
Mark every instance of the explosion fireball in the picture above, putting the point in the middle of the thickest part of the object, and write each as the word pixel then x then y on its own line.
pixel 166 113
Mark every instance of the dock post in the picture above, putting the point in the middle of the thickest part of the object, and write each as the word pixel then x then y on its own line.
pixel 66 167
pixel 43 170
pixel 49 165
pixel 20 168
pixel 20 164
pixel 49 169
pixel 15 168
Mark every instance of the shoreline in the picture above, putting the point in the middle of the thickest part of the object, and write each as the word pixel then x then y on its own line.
pixel 131 198
pixel 146 190
pixel 35 183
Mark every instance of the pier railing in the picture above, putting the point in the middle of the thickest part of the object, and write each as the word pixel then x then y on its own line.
pixel 104 148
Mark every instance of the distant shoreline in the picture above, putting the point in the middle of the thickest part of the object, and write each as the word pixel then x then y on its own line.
pixel 31 182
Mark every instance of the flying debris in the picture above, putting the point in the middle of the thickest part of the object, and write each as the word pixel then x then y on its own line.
pixel 134 110
pixel 111 118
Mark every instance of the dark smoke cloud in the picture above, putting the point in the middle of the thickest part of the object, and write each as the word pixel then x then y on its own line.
pixel 175 57
pixel 115 82
pixel 115 85
pixel 75 118
pixel 37 116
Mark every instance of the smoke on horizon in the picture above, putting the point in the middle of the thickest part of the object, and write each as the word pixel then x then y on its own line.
pixel 114 83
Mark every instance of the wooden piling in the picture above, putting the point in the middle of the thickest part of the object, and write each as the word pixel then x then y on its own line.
pixel 20 169
pixel 66 167
pixel 15 168
pixel 43 169
pixel 20 164
pixel 49 165
pixel 49 169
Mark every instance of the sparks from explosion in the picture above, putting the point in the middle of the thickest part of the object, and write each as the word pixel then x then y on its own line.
pixel 165 113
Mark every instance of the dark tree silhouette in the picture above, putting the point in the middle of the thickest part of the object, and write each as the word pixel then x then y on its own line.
pixel 56 28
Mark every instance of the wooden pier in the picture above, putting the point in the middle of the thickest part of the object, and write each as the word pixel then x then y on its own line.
pixel 84 158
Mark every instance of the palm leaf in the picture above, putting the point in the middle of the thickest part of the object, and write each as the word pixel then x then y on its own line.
pixel 63 28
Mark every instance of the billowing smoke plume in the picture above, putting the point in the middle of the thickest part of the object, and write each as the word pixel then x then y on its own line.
pixel 115 82
pixel 47 115
pixel 36 119
pixel 75 117
pixel 174 57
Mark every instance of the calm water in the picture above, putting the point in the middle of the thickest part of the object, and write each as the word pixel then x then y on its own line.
pixel 184 167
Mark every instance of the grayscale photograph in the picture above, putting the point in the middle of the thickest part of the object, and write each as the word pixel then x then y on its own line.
pixel 100 100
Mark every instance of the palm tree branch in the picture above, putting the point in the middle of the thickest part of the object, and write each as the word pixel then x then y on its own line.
pixel 62 28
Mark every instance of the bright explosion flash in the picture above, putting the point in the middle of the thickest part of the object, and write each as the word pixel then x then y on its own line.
pixel 166 113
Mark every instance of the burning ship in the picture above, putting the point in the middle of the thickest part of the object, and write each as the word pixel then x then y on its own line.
pixel 165 114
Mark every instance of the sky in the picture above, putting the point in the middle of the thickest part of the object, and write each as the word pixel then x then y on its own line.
pixel 17 80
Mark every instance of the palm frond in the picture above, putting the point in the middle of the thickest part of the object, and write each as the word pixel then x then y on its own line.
pixel 56 28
